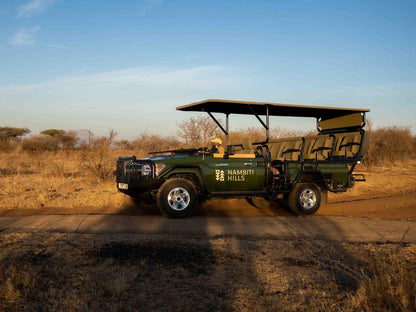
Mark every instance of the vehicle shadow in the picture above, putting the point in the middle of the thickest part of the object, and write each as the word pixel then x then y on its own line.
pixel 221 260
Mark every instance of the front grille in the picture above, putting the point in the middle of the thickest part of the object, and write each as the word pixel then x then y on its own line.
pixel 131 169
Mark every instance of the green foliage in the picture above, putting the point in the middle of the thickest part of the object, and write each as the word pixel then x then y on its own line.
pixel 11 133
pixel 53 132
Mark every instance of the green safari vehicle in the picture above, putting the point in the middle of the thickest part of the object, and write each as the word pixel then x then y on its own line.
pixel 298 171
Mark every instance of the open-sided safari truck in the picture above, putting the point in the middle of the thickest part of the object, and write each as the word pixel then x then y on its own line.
pixel 298 170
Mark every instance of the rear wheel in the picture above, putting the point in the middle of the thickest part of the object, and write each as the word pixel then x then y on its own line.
pixel 305 199
pixel 177 198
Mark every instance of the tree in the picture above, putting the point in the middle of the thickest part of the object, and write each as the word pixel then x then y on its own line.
pixel 53 132
pixel 11 133
pixel 198 131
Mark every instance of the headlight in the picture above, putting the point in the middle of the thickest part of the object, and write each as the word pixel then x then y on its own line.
pixel 159 168
pixel 146 169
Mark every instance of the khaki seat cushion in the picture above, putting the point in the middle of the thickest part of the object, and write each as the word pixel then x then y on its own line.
pixel 348 144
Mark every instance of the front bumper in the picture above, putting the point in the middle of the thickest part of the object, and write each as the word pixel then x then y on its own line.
pixel 130 178
pixel 139 186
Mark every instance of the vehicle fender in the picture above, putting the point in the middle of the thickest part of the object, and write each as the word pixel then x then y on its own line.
pixel 195 171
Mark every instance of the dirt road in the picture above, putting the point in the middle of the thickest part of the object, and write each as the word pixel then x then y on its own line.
pixel 317 227
pixel 348 220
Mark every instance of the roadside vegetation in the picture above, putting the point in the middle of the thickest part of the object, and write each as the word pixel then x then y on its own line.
pixel 56 168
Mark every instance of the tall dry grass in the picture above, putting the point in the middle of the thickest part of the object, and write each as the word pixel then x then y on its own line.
pixel 390 287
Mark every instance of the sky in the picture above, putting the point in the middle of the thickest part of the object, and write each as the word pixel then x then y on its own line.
pixel 126 65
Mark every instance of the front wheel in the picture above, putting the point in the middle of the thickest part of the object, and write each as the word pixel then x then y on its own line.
pixel 177 198
pixel 305 198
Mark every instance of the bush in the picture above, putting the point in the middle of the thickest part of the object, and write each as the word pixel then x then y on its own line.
pixel 96 157
pixel 390 145
pixel 39 144
pixel 146 143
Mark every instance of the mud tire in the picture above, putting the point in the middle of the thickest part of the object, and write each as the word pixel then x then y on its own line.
pixel 305 199
pixel 177 198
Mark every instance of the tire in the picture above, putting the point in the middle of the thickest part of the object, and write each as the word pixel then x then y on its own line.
pixel 177 198
pixel 305 199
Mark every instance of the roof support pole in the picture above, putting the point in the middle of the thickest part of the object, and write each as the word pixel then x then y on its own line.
pixel 219 125
pixel 265 125
pixel 227 128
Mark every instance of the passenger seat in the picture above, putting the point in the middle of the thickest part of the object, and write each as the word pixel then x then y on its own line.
pixel 321 148
pixel 348 145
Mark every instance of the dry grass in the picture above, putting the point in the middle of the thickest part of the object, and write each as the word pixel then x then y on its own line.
pixel 391 287
pixel 56 179
pixel 61 179
pixel 78 272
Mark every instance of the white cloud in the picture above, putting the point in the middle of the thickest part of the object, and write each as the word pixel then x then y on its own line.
pixel 133 100
pixel 33 7
pixel 58 46
pixel 24 36
pixel 146 5
pixel 129 100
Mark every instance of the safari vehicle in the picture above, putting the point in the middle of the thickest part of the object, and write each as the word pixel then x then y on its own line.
pixel 298 171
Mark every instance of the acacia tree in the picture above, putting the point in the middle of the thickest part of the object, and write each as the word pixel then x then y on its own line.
pixel 198 131
pixel 11 133
pixel 53 132
pixel 64 139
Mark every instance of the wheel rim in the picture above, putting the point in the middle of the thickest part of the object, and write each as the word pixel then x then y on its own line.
pixel 308 199
pixel 178 198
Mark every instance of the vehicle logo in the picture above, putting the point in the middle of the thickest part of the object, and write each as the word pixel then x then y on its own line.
pixel 219 175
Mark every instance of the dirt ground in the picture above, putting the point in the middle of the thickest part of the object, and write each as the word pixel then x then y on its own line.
pixel 43 271
pixel 387 193
pixel 80 272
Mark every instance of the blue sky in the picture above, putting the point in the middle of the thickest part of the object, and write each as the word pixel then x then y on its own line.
pixel 127 64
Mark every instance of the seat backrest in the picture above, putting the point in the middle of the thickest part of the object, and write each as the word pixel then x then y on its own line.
pixel 293 149
pixel 276 148
pixel 323 146
pixel 348 143
pixel 308 144
pixel 247 148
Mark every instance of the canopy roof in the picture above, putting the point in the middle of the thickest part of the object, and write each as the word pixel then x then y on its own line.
pixel 275 109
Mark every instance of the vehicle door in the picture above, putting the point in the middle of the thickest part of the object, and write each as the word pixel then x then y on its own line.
pixel 235 174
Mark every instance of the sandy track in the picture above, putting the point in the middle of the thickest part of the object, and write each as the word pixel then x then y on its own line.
pixel 348 220
pixel 400 206
pixel 316 227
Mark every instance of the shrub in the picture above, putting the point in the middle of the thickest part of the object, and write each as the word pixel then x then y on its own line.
pixel 146 143
pixel 96 157
pixel 389 145
pixel 40 143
